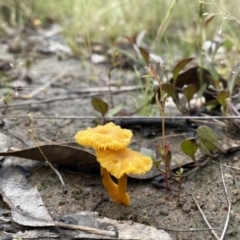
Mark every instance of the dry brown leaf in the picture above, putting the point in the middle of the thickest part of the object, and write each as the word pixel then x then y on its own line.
pixel 16 192
pixel 58 154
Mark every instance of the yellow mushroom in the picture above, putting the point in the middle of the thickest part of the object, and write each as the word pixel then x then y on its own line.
pixel 109 184
pixel 120 163
pixel 108 136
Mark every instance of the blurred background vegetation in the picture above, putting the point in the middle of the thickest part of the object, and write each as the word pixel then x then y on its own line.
pixel 168 23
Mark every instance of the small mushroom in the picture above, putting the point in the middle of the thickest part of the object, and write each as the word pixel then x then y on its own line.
pixel 120 163
pixel 108 136
pixel 110 143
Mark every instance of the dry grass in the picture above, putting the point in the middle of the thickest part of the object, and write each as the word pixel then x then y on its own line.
pixel 105 21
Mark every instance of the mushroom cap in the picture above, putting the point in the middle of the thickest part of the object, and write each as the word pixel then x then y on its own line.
pixel 108 136
pixel 124 161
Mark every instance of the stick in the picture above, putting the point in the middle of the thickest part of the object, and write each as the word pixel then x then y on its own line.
pixel 88 229
pixel 111 118
pixel 33 135
pixel 225 165
pixel 229 203
pixel 40 89
pixel 190 230
pixel 205 219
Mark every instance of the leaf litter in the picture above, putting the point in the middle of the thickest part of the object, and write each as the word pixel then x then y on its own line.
pixel 28 209
pixel 150 206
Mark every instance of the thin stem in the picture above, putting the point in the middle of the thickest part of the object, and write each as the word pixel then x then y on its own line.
pixel 109 184
pixel 122 195
pixel 164 23
pixel 163 122
pixel 122 183
pixel 228 201
pixel 166 174
pixel 34 138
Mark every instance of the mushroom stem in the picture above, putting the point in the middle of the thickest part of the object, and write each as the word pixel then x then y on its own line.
pixel 122 195
pixel 109 184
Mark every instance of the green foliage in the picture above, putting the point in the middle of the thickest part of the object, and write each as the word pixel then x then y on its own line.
pixel 222 97
pixel 179 66
pixel 100 106
pixel 109 19
pixel 206 140
pixel 189 91
pixel 189 147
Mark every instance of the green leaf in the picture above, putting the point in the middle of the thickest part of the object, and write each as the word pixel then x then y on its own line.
pixel 222 96
pixel 189 147
pixel 115 110
pixel 208 138
pixel 169 89
pixel 100 106
pixel 179 66
pixel 189 91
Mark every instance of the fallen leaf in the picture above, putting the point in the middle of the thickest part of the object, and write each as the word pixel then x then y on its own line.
pixel 67 155
pixel 58 154
pixel 126 229
pixel 16 192
pixel 5 143
pixel 27 207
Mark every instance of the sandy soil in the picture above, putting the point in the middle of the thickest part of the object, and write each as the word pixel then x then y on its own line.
pixel 173 210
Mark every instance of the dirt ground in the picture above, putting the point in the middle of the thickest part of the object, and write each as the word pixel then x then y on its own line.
pixel 173 210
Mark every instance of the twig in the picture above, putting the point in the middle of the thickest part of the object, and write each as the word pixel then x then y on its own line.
pixel 205 219
pixel 88 95
pixel 40 89
pixel 215 122
pixel 111 118
pixel 35 140
pixel 190 230
pixel 88 229
pixel 94 208
pixel 92 230
pixel 14 135
pixel 30 102
pixel 229 203
pixel 104 89
pixel 225 165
